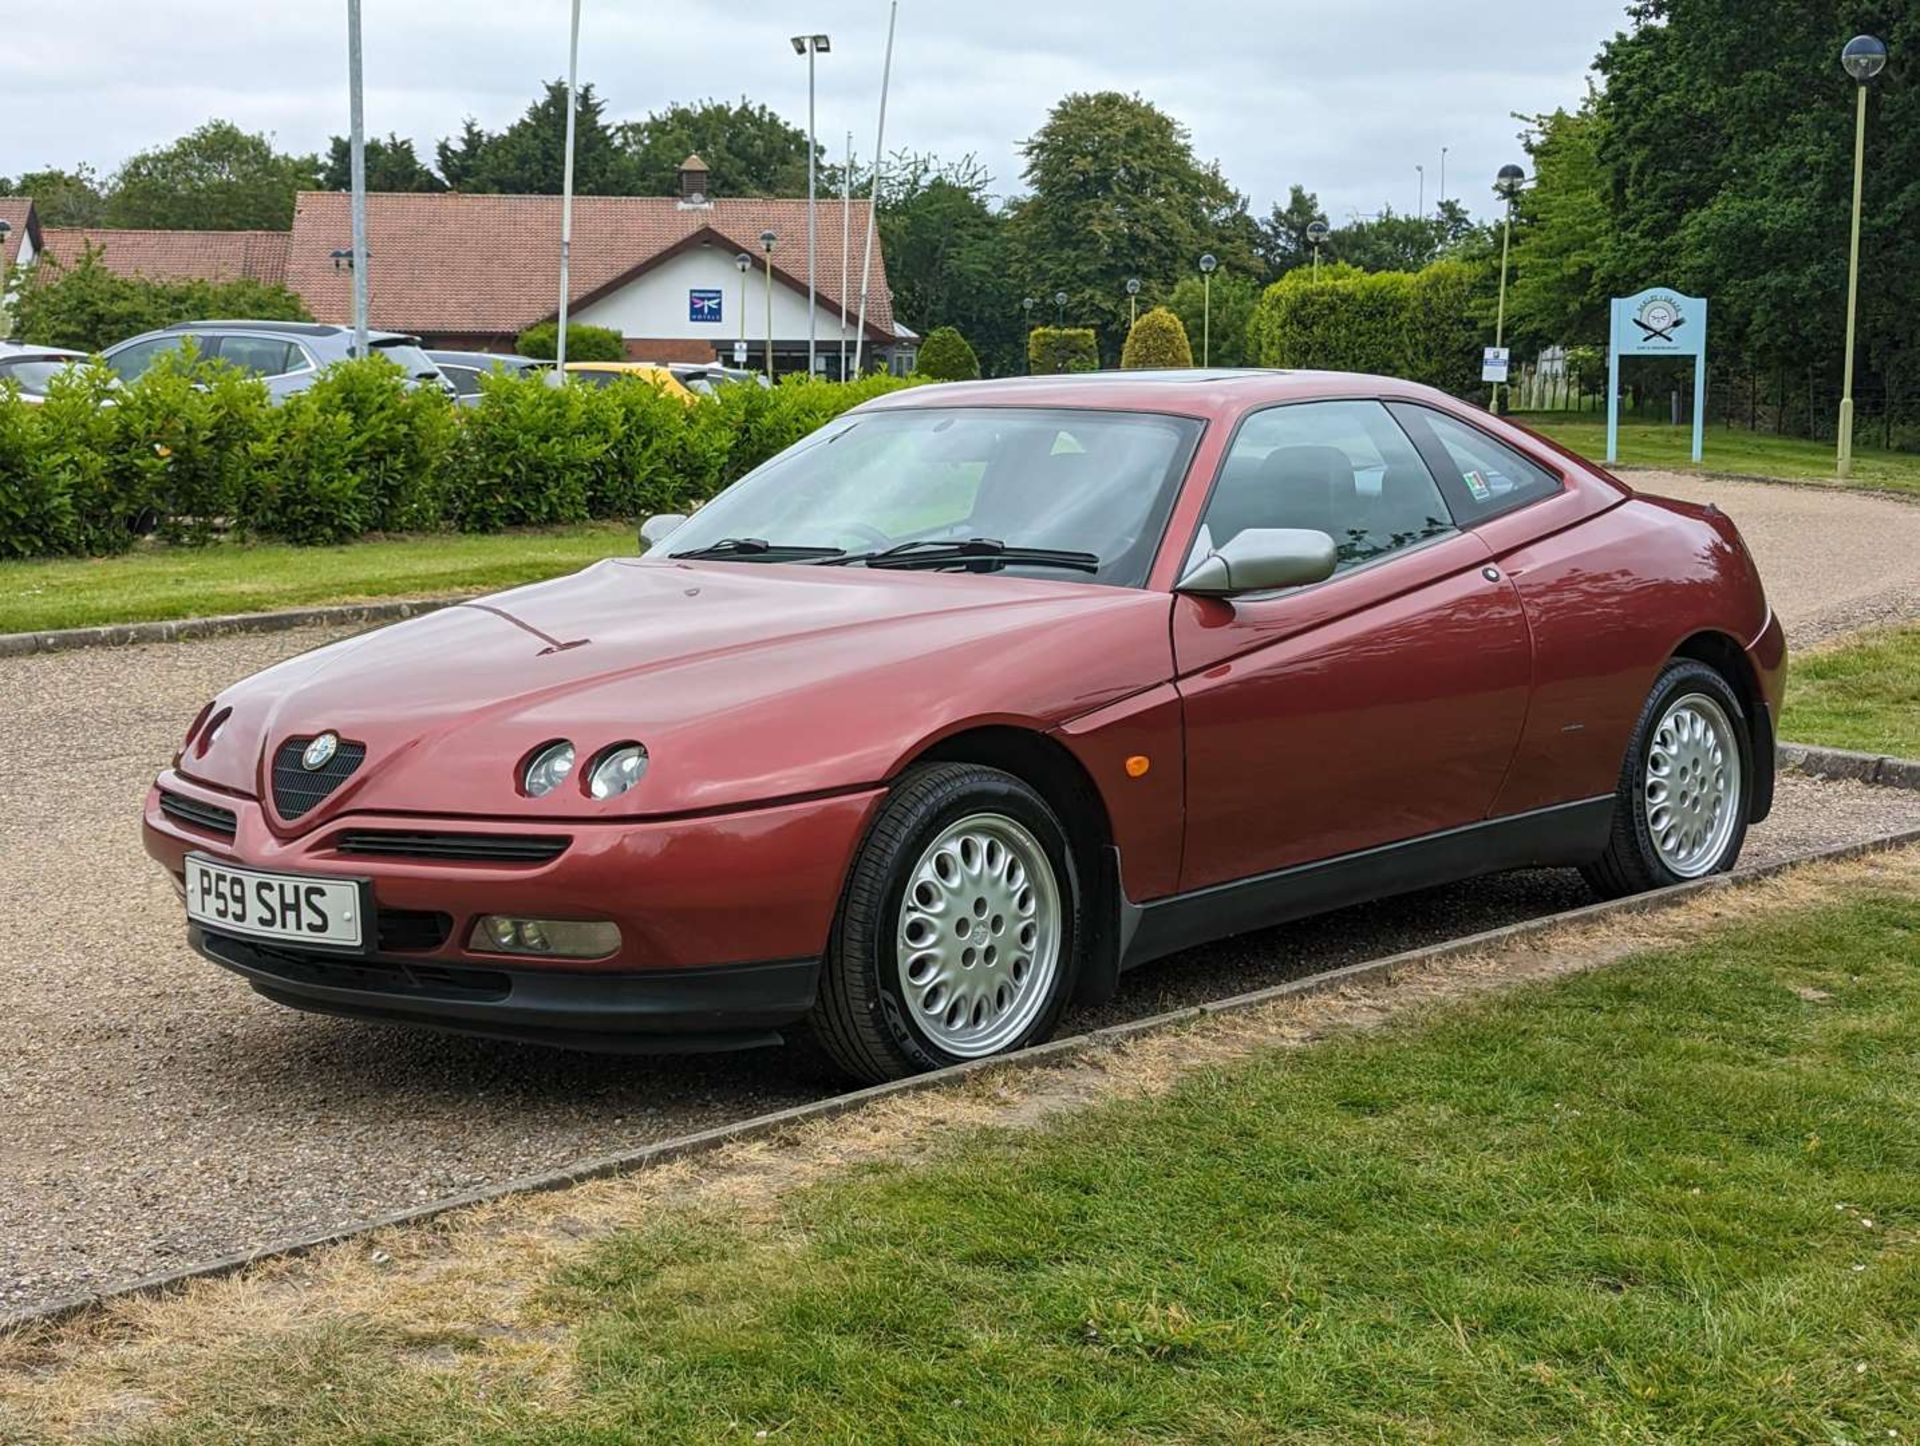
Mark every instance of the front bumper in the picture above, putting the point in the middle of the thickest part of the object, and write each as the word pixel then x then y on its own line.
pixel 723 920
pixel 663 1011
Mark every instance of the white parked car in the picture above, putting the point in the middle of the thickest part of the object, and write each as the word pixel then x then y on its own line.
pixel 31 368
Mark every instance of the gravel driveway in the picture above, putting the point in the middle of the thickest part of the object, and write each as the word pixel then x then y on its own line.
pixel 158 1113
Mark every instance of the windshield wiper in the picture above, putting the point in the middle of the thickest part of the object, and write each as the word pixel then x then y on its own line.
pixel 975 552
pixel 760 550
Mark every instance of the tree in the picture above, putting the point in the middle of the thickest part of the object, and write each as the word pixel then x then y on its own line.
pixel 1117 193
pixel 88 307
pixel 218 178
pixel 946 252
pixel 528 158
pixel 584 343
pixel 1283 241
pixel 749 150
pixel 1234 298
pixel 61 198
pixel 391 166
pixel 1156 340
pixel 1053 349
pixel 1562 227
pixel 946 357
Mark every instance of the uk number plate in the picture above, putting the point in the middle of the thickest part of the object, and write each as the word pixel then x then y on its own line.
pixel 288 908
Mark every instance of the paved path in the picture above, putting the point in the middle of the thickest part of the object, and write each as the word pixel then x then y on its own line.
pixel 157 1113
pixel 1833 561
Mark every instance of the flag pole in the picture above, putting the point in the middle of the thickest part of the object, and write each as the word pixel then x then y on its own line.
pixel 873 194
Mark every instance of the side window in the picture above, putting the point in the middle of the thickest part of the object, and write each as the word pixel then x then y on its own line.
pixel 1342 468
pixel 1482 478
pixel 133 361
pixel 260 356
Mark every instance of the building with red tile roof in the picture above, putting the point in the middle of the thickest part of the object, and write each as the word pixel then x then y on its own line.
pixel 176 255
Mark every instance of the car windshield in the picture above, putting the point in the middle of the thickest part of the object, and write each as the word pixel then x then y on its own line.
pixel 408 357
pixel 1083 481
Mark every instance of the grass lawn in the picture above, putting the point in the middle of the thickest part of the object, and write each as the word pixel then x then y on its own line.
pixel 159 582
pixel 1678 1199
pixel 1752 454
pixel 1863 693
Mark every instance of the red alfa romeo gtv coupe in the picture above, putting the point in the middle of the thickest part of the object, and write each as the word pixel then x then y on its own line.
pixel 974 699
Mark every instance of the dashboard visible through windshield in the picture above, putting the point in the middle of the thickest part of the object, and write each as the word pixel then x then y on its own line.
pixel 1073 494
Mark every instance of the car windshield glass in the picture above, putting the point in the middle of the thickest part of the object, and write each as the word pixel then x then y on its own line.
pixel 409 358
pixel 1078 480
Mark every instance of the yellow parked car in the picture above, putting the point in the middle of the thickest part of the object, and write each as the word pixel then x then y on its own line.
pixel 602 374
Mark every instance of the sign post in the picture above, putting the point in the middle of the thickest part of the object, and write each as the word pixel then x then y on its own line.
pixel 1493 364
pixel 1657 322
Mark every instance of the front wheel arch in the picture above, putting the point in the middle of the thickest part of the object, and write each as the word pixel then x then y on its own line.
pixel 1727 658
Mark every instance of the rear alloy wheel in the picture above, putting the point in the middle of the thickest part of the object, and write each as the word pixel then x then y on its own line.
pixel 1684 795
pixel 956 938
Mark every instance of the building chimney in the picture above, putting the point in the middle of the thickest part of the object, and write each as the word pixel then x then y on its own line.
pixel 693 181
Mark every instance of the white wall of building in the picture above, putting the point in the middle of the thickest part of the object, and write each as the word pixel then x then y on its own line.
pixel 655 304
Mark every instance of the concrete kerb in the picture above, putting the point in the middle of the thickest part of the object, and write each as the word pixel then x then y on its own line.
pixel 120 635
pixel 779 1121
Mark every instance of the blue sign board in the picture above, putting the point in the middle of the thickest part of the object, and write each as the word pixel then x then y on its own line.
pixel 1657 322
pixel 703 305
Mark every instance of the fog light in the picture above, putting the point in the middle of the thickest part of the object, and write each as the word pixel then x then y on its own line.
pixel 552 938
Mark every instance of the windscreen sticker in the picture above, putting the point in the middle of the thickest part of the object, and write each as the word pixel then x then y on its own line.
pixel 1477 485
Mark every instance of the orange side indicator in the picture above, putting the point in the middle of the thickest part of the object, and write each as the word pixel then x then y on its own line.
pixel 1138 765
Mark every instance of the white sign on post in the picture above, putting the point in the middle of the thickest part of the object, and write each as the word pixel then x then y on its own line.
pixel 739 353
pixel 1493 363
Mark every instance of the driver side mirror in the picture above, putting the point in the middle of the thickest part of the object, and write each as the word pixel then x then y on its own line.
pixel 1260 558
pixel 658 528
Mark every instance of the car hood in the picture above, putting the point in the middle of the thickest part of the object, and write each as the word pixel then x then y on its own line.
pixel 746 682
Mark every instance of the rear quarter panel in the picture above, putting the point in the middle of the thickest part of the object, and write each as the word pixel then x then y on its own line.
pixel 1609 599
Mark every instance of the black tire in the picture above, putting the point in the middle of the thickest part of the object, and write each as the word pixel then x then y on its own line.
pixel 1632 863
pixel 861 1016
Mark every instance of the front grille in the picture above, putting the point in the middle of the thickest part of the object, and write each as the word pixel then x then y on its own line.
pixel 297 792
pixel 207 817
pixel 412 929
pixel 506 848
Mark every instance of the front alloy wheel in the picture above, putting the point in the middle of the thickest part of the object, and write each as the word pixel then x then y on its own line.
pixel 957 935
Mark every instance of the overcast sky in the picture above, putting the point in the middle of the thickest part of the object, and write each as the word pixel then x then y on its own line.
pixel 1345 98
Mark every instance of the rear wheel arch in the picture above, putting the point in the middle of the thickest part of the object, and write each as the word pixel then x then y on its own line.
pixel 1726 657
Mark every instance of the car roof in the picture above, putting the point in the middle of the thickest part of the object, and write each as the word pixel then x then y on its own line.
pixel 1196 391
pixel 14 350
pixel 287 328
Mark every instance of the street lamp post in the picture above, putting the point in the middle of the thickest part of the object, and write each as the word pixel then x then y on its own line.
pixel 1316 234
pixel 767 238
pixel 566 194
pixel 743 263
pixel 1507 183
pixel 811 46
pixel 1864 57
pixel 1423 188
pixel 357 172
pixel 1443 181
pixel 1207 264
pixel 1060 308
pixel 1133 301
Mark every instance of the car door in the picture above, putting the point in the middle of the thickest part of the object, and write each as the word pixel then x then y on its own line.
pixel 1379 705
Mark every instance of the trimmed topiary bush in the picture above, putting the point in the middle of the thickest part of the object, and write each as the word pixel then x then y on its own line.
pixel 1158 339
pixel 1053 349
pixel 945 356
pixel 584 343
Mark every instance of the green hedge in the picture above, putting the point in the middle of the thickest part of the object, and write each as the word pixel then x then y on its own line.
pixel 1425 326
pixel 584 343
pixel 1053 349
pixel 196 450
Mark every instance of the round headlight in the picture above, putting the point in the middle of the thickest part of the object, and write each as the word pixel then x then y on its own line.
pixel 619 768
pixel 548 769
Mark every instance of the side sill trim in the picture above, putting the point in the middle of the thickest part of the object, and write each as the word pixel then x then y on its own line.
pixel 1564 834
